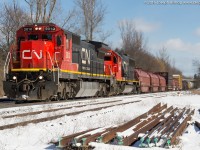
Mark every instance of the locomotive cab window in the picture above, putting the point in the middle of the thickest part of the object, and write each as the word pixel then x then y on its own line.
pixel 32 37
pixel 19 41
pixel 115 60
pixel 59 41
pixel 107 58
pixel 47 37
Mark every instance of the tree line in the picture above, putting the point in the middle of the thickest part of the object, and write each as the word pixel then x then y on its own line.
pixel 133 44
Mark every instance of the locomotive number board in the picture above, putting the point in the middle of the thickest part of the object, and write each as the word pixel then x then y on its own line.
pixel 28 29
pixel 50 28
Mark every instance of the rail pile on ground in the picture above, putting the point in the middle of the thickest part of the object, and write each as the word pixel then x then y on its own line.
pixel 160 126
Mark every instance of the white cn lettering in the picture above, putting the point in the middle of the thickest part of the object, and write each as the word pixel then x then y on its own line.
pixel 31 54
pixel 57 53
pixel 39 57
pixel 67 55
pixel 85 56
pixel 26 57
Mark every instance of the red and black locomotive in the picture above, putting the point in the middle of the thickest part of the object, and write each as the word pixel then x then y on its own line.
pixel 50 63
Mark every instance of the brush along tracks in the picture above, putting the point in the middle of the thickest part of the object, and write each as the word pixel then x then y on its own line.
pixel 160 126
pixel 71 113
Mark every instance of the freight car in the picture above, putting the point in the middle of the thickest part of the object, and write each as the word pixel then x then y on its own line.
pixel 50 63
pixel 150 82
pixel 177 81
pixel 144 80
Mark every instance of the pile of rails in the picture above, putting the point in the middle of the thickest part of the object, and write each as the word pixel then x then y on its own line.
pixel 160 126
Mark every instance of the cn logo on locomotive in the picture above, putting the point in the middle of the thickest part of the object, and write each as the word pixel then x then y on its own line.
pixel 30 54
pixel 85 55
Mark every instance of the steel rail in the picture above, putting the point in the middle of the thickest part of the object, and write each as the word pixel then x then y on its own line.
pixel 150 135
pixel 58 116
pixel 67 140
pixel 111 135
pixel 173 126
pixel 155 121
pixel 57 109
pixel 165 124
pixel 170 126
pixel 181 128
pixel 197 124
pixel 107 134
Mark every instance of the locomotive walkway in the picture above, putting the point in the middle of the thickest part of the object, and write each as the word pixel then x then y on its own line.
pixel 160 126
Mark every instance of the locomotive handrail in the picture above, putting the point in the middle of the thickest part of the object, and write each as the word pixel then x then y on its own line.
pixel 6 64
pixel 52 67
pixel 58 71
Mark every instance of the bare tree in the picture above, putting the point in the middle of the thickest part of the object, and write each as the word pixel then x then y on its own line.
pixel 45 11
pixel 92 14
pixel 166 63
pixel 12 17
pixel 41 10
pixel 196 64
pixel 103 36
pixel 132 39
pixel 163 59
pixel 133 44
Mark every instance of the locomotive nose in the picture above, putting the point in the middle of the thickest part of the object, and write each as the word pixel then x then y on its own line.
pixel 33 55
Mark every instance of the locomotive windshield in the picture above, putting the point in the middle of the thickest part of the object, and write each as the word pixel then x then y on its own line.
pixel 47 37
pixel 36 37
pixel 107 58
pixel 32 37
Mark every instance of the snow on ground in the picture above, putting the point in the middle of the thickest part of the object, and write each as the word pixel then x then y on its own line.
pixel 38 136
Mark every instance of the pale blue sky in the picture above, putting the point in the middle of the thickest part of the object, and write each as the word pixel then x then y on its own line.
pixel 177 27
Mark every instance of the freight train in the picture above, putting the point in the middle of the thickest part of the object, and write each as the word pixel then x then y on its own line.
pixel 50 63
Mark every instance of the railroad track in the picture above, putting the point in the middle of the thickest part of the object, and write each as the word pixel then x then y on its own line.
pixel 17 121
pixel 39 120
pixel 20 109
pixel 160 126
pixel 7 103
pixel 40 106
pixel 56 109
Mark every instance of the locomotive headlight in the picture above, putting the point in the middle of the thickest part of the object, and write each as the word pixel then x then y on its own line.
pixel 14 77
pixel 40 77
pixel 36 28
